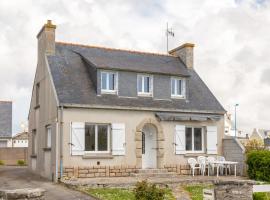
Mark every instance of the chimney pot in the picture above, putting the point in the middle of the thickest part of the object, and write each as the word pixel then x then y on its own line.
pixel 185 53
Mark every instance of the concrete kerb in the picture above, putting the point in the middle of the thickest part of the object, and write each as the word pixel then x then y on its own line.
pixel 25 193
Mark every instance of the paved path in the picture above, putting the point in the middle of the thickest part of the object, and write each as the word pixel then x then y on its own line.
pixel 261 188
pixel 19 177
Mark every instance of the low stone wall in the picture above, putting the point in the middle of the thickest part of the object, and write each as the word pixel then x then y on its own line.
pixel 99 171
pixel 22 194
pixel 180 169
pixel 233 190
pixel 10 156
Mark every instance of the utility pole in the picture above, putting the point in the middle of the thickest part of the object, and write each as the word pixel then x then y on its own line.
pixel 235 128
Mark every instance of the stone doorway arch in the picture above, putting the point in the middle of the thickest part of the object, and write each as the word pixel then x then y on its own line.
pixel 160 142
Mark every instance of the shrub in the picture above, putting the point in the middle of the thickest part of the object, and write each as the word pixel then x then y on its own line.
pixel 148 191
pixel 21 162
pixel 254 144
pixel 2 162
pixel 261 196
pixel 259 165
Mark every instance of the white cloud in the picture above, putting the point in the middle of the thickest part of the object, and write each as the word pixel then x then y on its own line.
pixel 231 37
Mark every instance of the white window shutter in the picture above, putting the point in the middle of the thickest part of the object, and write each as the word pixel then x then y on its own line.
pixel 211 140
pixel 118 139
pixel 77 138
pixel 180 139
pixel 184 87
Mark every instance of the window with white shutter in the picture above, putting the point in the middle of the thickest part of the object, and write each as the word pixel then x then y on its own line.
pixel 211 140
pixel 180 139
pixel 118 139
pixel 77 138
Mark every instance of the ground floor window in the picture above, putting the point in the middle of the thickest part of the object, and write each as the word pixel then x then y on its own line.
pixel 97 137
pixel 194 139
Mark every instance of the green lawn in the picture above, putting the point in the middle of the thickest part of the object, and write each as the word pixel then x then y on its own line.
pixel 261 196
pixel 118 194
pixel 196 191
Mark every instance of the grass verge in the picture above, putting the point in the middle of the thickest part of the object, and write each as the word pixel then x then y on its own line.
pixel 118 193
pixel 196 191
pixel 261 196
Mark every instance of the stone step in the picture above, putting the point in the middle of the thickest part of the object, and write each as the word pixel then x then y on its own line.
pixel 157 175
pixel 150 171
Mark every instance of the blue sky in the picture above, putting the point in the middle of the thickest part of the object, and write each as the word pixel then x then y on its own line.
pixel 232 39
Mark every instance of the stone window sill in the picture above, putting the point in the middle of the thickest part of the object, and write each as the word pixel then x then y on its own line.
pixel 97 156
pixel 37 107
pixel 47 149
pixel 195 154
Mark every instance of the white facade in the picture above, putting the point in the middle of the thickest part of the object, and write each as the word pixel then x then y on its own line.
pixel 5 142
pixel 20 143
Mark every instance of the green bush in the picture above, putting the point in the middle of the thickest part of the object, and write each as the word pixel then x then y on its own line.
pixel 21 162
pixel 148 191
pixel 2 162
pixel 259 165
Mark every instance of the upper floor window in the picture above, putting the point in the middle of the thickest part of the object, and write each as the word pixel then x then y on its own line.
pixel 144 85
pixel 108 82
pixel 177 87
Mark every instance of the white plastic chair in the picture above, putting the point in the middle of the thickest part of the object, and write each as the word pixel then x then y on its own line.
pixel 192 163
pixel 202 163
pixel 211 166
pixel 222 167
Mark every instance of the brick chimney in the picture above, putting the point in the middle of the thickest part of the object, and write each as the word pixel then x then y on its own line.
pixel 46 40
pixel 185 53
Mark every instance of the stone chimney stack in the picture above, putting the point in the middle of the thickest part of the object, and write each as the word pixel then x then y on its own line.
pixel 46 40
pixel 185 53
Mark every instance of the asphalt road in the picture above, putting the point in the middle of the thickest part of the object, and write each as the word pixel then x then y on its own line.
pixel 20 177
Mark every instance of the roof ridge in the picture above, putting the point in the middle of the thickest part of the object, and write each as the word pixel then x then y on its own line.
pixel 115 49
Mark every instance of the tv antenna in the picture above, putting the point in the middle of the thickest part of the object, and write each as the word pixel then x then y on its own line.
pixel 169 32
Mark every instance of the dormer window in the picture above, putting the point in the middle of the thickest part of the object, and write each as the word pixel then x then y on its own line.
pixel 144 85
pixel 177 87
pixel 108 82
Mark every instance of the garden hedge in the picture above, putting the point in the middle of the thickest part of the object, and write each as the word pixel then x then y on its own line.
pixel 259 165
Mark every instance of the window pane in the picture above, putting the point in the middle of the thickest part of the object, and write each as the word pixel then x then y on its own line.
pixel 179 87
pixel 111 81
pixel 197 139
pixel 140 84
pixel 189 139
pixel 102 138
pixel 103 81
pixel 146 84
pixel 89 137
pixel 173 86
pixel 49 135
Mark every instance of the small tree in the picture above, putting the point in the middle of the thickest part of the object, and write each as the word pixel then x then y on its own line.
pixel 254 144
pixel 21 162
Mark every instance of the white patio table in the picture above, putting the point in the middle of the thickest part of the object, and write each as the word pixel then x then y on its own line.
pixel 220 163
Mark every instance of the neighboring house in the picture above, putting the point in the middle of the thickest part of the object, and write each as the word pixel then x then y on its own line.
pixel 229 128
pixel 20 140
pixel 5 124
pixel 260 134
pixel 103 108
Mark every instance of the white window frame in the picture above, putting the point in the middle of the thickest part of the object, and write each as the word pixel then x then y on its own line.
pixel 107 90
pixel 96 139
pixel 203 148
pixel 183 84
pixel 146 94
pixel 48 139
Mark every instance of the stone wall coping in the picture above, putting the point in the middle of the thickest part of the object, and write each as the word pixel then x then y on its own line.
pixel 234 182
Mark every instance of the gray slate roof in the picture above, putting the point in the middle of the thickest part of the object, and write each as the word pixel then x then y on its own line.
pixel 73 84
pixel 5 119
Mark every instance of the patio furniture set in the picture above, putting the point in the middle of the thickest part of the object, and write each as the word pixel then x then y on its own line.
pixel 210 163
